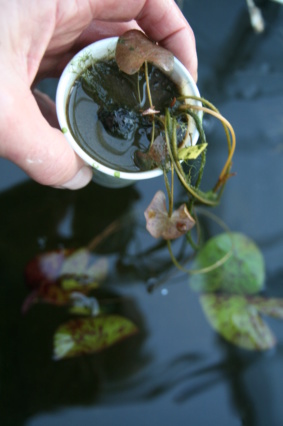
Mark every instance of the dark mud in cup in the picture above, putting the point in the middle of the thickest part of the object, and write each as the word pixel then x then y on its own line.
pixel 107 136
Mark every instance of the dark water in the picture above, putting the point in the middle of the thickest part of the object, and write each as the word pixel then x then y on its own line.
pixel 176 370
pixel 112 134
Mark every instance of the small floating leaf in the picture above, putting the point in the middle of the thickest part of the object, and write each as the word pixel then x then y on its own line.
pixel 45 268
pixel 90 335
pixel 134 48
pixel 84 305
pixel 55 275
pixel 272 307
pixel 156 156
pixel 243 272
pixel 159 224
pixel 191 152
pixel 76 263
pixel 239 322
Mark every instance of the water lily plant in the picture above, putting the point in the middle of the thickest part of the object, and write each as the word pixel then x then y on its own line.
pixel 133 53
pixel 227 270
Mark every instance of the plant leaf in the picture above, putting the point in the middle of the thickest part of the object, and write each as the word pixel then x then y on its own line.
pixel 156 156
pixel 134 48
pixel 243 272
pixel 159 224
pixel 272 307
pixel 84 305
pixel 191 152
pixel 75 263
pixel 55 275
pixel 45 268
pixel 90 335
pixel 237 321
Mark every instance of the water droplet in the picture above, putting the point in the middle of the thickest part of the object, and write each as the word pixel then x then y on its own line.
pixel 164 292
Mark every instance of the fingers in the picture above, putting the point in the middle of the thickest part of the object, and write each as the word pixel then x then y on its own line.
pixel 31 143
pixel 163 21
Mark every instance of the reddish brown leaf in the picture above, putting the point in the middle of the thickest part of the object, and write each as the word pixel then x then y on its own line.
pixel 156 156
pixel 45 267
pixel 159 224
pixel 55 275
pixel 134 48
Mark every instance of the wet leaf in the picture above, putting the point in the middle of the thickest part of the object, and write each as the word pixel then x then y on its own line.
pixel 191 152
pixel 84 305
pixel 134 48
pixel 48 293
pixel 90 335
pixel 238 321
pixel 159 224
pixel 272 307
pixel 75 263
pixel 157 156
pixel 55 275
pixel 45 267
pixel 243 272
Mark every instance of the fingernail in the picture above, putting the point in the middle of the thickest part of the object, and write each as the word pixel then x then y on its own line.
pixel 81 179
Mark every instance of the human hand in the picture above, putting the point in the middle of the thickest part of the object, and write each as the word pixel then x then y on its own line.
pixel 38 38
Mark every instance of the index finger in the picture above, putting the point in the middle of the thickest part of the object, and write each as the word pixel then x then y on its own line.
pixel 163 22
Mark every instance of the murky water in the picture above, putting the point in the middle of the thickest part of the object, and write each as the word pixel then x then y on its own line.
pixel 176 370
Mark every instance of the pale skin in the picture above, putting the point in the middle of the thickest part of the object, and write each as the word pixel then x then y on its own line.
pixel 38 38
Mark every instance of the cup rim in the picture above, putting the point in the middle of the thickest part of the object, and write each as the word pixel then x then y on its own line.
pixel 98 50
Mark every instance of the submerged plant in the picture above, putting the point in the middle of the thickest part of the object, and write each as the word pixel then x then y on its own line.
pixel 228 271
pixel 71 279
pixel 166 151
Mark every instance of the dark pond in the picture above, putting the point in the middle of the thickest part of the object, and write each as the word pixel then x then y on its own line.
pixel 177 370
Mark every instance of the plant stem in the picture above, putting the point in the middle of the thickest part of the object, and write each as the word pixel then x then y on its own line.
pixel 231 142
pixel 191 241
pixel 147 84
pixel 110 229
pixel 170 135
pixel 150 104
pixel 139 92
pixel 169 189
pixel 205 270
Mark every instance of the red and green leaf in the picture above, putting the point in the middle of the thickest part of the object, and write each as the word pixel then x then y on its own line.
pixel 238 321
pixel 90 335
pixel 54 276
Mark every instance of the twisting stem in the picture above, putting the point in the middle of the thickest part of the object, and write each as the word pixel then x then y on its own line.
pixel 150 104
pixel 170 135
pixel 231 144
pixel 205 270
pixel 139 92
pixel 213 108
pixel 147 84
pixel 169 193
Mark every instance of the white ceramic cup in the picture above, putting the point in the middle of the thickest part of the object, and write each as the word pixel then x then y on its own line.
pixel 105 49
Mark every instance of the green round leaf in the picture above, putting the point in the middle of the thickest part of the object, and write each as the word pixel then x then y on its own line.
pixel 242 273
pixel 237 321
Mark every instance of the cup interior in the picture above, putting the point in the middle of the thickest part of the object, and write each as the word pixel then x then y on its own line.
pixel 105 49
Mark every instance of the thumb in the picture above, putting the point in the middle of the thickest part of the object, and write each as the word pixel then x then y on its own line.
pixel 28 140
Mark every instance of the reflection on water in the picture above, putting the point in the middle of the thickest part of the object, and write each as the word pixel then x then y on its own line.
pixel 176 369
